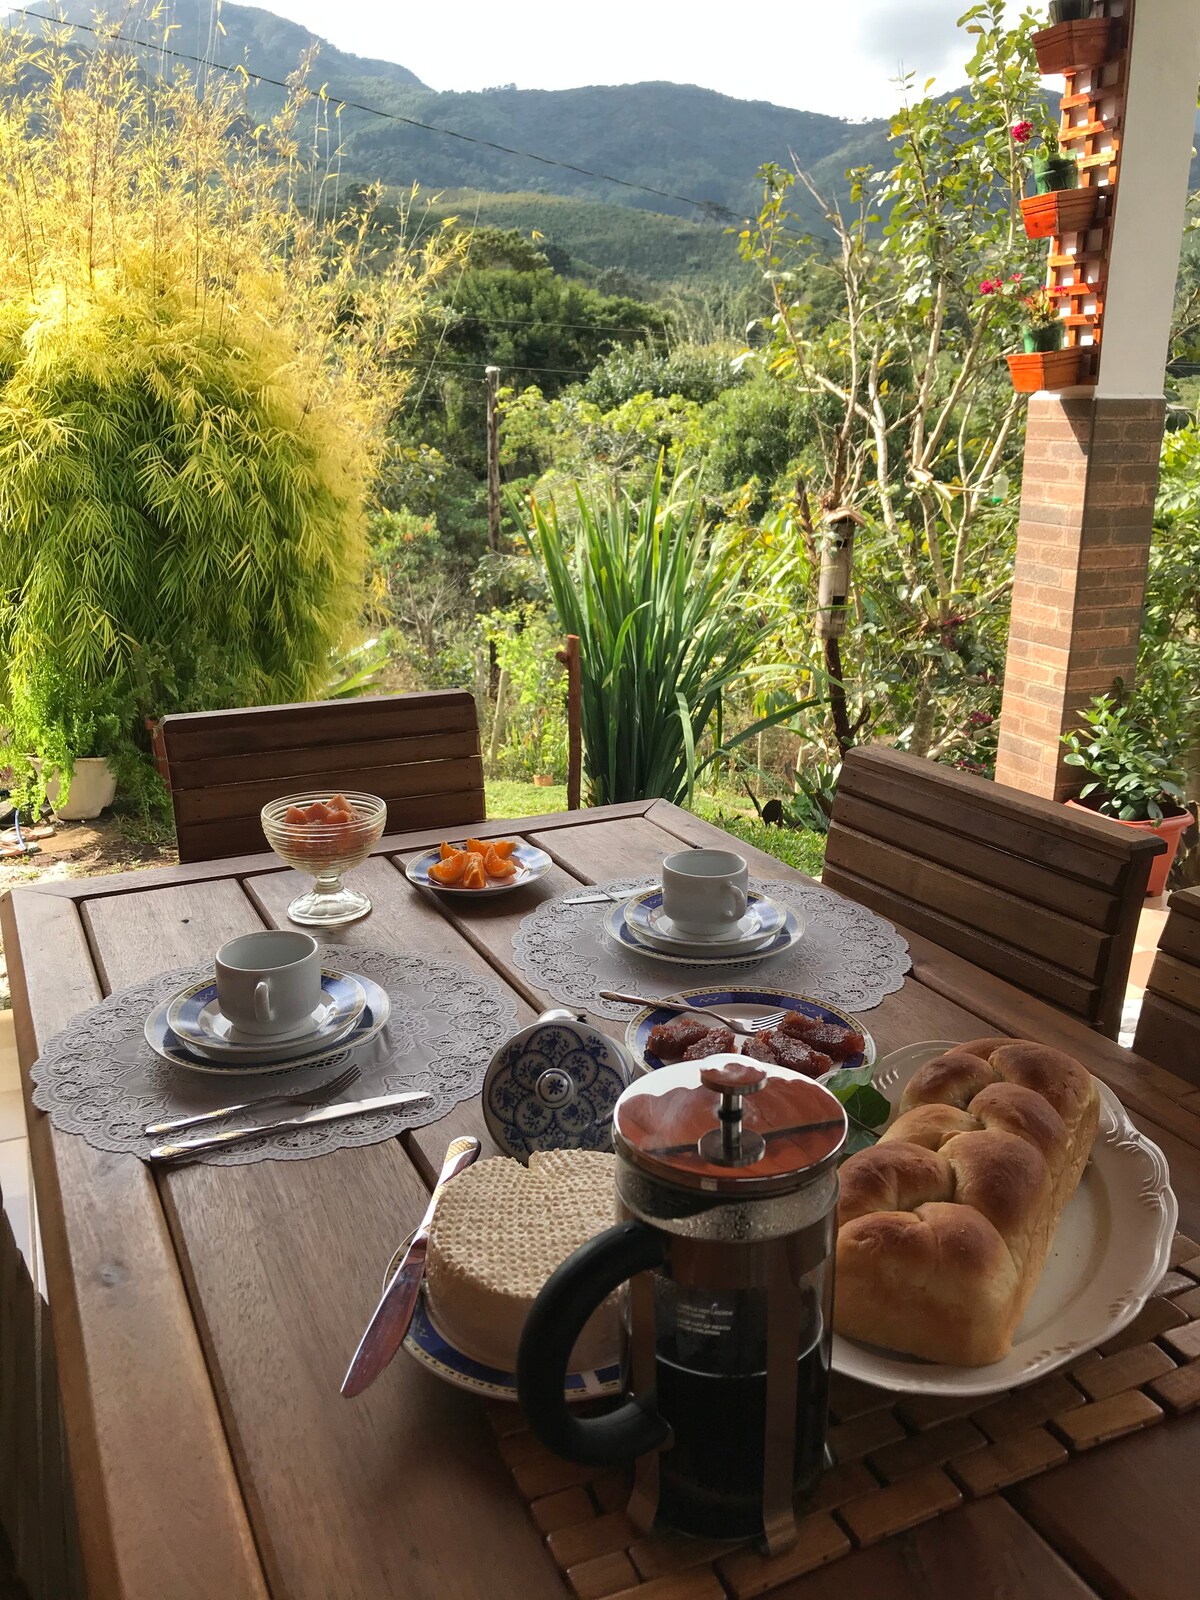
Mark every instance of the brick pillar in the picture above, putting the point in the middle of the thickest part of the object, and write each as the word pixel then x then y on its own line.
pixel 1087 506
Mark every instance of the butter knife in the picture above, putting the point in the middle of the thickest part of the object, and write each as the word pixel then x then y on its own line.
pixel 386 1329
pixel 182 1148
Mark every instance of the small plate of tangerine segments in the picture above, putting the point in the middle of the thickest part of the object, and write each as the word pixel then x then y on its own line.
pixel 478 866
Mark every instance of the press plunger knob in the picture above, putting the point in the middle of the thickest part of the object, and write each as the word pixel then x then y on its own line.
pixel 729 1142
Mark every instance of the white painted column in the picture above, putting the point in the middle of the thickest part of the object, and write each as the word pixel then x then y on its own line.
pixel 1156 152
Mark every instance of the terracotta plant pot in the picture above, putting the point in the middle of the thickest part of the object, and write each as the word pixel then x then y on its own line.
pixel 1055 172
pixel 1060 211
pixel 543 781
pixel 1170 829
pixel 1050 369
pixel 1070 45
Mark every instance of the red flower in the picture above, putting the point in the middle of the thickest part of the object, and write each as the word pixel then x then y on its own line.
pixel 989 286
pixel 1015 277
pixel 1022 131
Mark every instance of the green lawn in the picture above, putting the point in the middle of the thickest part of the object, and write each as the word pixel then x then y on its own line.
pixel 797 847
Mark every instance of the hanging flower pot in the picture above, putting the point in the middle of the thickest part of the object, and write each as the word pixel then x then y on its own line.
pixel 1050 336
pixel 1068 46
pixel 1051 172
pixel 1060 211
pixel 1050 369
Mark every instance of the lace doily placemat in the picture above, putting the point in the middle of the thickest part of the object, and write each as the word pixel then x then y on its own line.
pixel 99 1078
pixel 848 956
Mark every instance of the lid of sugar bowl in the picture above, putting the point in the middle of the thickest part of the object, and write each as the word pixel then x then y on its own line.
pixel 553 1086
pixel 729 1125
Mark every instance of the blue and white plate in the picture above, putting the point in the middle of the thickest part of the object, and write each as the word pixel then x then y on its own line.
pixel 165 1042
pixel 647 917
pixel 749 1003
pixel 196 1018
pixel 426 1345
pixel 532 864
pixel 617 926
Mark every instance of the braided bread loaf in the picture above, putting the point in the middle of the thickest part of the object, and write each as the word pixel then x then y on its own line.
pixel 944 1225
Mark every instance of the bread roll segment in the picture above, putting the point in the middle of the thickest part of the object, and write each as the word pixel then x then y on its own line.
pixel 945 1224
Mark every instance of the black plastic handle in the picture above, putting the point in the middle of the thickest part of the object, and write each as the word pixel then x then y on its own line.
pixel 556 1320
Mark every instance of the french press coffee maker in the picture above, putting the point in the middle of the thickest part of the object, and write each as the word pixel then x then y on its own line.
pixel 727 1187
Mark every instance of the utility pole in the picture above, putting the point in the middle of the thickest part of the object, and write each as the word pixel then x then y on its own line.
pixel 492 377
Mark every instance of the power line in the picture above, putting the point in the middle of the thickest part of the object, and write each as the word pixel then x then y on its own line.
pixel 710 206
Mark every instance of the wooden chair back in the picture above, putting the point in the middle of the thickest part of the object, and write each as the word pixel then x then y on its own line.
pixel 1168 1030
pixel 1045 897
pixel 419 752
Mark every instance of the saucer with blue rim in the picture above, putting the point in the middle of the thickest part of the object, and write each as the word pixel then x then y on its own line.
pixel 647 918
pixel 724 954
pixel 166 1043
pixel 195 1017
pixel 553 1086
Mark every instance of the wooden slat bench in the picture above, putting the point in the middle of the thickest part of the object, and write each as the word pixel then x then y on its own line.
pixel 1168 1030
pixel 419 752
pixel 1039 895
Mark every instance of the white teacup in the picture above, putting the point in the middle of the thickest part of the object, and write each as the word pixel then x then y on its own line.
pixel 705 891
pixel 269 983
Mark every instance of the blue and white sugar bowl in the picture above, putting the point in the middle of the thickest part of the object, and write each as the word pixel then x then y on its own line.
pixel 553 1086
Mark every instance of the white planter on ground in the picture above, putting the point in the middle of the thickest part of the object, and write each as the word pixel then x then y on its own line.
pixel 93 786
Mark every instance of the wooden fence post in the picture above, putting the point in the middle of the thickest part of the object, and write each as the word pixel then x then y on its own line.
pixel 570 659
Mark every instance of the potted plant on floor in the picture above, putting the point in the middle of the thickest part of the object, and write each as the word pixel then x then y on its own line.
pixel 1133 776
pixel 72 744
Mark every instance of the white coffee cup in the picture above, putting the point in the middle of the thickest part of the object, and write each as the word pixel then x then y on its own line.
pixel 269 983
pixel 705 891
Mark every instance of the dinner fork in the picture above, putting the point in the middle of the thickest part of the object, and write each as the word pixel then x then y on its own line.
pixel 305 1097
pixel 671 1003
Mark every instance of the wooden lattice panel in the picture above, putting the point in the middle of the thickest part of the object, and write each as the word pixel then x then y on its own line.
pixel 1091 118
pixel 900 1461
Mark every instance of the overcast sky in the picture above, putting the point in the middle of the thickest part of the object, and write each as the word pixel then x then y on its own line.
pixel 837 56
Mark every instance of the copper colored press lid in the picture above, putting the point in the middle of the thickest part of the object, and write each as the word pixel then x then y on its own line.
pixel 729 1125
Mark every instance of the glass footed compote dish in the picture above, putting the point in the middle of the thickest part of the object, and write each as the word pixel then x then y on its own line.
pixel 337 833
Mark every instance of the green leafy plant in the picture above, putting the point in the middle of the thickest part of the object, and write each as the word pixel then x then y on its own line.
pixel 666 627
pixel 53 720
pixel 866 1109
pixel 1134 773
pixel 195 376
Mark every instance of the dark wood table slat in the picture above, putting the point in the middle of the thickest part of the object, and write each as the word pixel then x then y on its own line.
pixel 1125 1516
pixel 154 1519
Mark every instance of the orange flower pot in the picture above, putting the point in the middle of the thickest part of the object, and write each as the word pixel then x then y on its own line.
pixel 1170 829
pixel 1061 211
pixel 1047 369
pixel 1070 45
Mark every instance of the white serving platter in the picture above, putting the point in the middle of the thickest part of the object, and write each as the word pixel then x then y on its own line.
pixel 1111 1248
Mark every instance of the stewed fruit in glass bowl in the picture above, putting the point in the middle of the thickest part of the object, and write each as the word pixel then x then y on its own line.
pixel 325 835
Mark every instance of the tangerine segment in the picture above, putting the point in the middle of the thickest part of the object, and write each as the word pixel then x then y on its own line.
pixel 447 850
pixel 478 847
pixel 504 847
pixel 496 867
pixel 450 869
pixel 474 876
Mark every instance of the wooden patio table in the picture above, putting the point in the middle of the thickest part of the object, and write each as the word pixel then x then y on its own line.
pixel 203 1316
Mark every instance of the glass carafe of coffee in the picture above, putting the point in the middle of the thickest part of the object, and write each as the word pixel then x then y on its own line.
pixel 727 1187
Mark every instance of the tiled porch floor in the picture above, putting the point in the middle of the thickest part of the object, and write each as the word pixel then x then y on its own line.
pixel 16 1181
